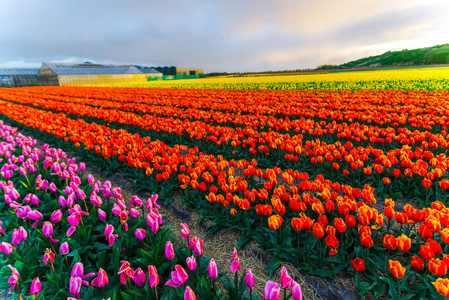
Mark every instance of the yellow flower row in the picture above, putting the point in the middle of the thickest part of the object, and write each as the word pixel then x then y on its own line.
pixel 402 79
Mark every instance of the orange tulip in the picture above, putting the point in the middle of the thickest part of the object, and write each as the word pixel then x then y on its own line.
pixel 389 242
pixel 339 225
pixel 318 230
pixel 396 269
pixel 426 252
pixel 366 240
pixel 442 286
pixel 445 235
pixel 437 267
pixel 275 221
pixel 403 243
pixel 425 232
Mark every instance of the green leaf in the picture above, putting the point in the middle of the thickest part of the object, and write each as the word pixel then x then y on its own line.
pixel 322 273
pixel 243 241
pixel 101 246
pixel 273 265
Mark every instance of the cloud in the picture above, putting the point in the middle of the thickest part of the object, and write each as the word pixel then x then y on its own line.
pixel 231 35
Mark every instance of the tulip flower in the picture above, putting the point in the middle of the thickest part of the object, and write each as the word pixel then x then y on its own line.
pixel 198 249
pixel 358 264
pixel 437 267
pixel 249 281
pixel 125 272
pixel 442 286
pixel 235 262
pixel 169 251
pixel 178 277
pixel 56 216
pixel 212 269
pixel 139 277
pixel 396 269
pixel 153 276
pixel 185 231
pixel 7 249
pixel 75 286
pixel 296 291
pixel 191 263
pixel 101 214
pixel 14 278
pixel 110 237
pixel 101 280
pixel 285 278
pixel 417 263
pixel 272 291
pixel 140 233
pixel 189 294
pixel 35 287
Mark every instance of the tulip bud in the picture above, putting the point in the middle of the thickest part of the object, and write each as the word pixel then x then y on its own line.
pixel 191 263
pixel 153 276
pixel 212 269
pixel 35 286
pixel 249 278
pixel 64 249
pixel 189 294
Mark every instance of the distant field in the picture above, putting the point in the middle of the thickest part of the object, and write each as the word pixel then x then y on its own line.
pixel 403 79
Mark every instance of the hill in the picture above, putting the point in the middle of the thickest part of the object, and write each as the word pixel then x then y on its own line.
pixel 416 57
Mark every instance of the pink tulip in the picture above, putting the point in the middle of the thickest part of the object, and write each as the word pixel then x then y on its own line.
pixel 151 202
pixel 49 256
pixel 272 291
pixel 110 237
pixel 249 278
pixel 153 276
pixel 192 242
pixel 62 201
pixel 53 187
pixel 2 230
pixel 64 249
pixel 116 210
pixel 35 286
pixel 73 220
pixel 212 269
pixel 16 239
pixel 47 229
pixel 90 179
pixel 189 294
pixel 285 278
pixel 140 233
pixel 296 291
pixel 178 277
pixel 23 212
pixel 235 262
pixel 77 270
pixel 125 272
pixel 71 230
pixel 95 199
pixel 134 212
pixel 198 250
pixel 23 233
pixel 117 192
pixel 101 280
pixel 136 201
pixel 6 248
pixel 169 251
pixel 56 216
pixel 101 214
pixel 185 231
pixel 80 193
pixel 139 277
pixel 75 286
pixel 82 166
pixel 14 278
pixel 191 263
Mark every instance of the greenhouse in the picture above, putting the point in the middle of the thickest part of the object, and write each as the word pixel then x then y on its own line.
pixel 91 74
pixel 17 77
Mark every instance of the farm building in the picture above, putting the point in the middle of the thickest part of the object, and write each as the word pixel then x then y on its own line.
pixel 179 71
pixel 89 73
pixel 15 77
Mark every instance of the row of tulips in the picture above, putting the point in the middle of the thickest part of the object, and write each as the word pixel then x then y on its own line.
pixel 48 188
pixel 399 169
pixel 322 203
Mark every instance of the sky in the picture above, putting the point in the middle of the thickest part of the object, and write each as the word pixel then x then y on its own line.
pixel 218 36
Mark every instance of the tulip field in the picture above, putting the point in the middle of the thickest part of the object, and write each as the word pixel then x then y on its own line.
pixel 332 174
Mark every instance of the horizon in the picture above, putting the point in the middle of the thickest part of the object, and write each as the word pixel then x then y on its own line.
pixel 231 37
